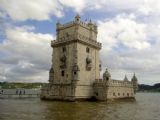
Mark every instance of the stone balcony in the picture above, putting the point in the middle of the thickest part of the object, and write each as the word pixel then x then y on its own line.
pixel 79 38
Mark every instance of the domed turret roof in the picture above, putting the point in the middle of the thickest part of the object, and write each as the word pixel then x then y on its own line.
pixel 106 73
pixel 134 78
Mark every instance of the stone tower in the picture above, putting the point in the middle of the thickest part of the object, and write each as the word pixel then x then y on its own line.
pixel 75 61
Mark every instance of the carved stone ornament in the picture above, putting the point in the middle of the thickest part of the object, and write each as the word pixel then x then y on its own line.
pixel 63 61
pixel 76 68
pixel 63 58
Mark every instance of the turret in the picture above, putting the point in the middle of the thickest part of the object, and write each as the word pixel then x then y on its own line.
pixel 51 75
pixel 77 18
pixel 106 76
pixel 134 80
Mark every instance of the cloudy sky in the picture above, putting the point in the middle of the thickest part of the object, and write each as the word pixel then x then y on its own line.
pixel 128 29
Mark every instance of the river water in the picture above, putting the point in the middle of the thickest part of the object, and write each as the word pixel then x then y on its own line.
pixel 145 107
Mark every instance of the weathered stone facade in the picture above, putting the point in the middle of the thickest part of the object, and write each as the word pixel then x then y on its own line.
pixel 112 89
pixel 75 70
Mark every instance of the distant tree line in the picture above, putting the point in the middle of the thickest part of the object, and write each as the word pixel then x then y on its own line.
pixel 149 88
pixel 7 85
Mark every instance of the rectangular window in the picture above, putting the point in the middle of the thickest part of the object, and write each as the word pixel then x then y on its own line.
pixel 64 49
pixel 62 73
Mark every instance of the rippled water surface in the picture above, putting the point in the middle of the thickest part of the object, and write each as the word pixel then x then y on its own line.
pixel 146 107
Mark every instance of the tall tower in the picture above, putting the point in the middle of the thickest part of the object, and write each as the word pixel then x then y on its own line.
pixel 75 61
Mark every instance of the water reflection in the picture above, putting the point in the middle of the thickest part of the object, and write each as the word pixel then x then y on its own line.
pixel 146 107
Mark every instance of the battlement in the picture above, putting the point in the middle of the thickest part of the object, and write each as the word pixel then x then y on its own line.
pixel 88 25
pixel 77 23
pixel 120 83
pixel 114 83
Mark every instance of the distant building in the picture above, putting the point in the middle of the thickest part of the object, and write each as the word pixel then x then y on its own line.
pixel 76 66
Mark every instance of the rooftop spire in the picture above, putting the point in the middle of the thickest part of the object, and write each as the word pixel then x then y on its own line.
pixel 125 78
pixel 90 21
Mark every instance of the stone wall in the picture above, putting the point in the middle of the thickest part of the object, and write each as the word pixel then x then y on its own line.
pixel 113 89
pixel 69 62
pixel 84 91
pixel 88 76
pixel 59 92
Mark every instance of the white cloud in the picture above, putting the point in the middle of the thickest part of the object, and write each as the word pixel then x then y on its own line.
pixel 43 9
pixel 111 5
pixel 77 5
pixel 130 41
pixel 123 30
pixel 120 5
pixel 26 55
pixel 146 63
pixel 30 9
pixel 150 7
pixel 130 46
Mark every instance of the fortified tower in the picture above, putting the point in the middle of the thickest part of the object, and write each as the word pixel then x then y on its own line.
pixel 75 61
pixel 75 69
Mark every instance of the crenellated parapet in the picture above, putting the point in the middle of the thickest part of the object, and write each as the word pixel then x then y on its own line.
pixel 114 83
pixel 87 25
pixel 120 83
pixel 77 31
pixel 108 88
